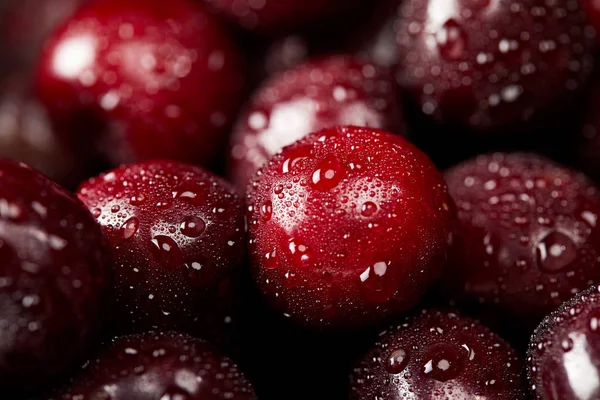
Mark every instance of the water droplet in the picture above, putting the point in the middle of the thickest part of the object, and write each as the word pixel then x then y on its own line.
pixel 295 157
pixel 368 209
pixel 556 251
pixel 595 321
pixel 137 199
pixel 443 362
pixel 567 344
pixel 452 40
pixel 397 361
pixel 176 394
pixel 266 210
pixel 193 226
pixel 270 259
pixel 190 195
pixel 96 212
pixel 375 285
pixel 166 251
pixel 328 174
pixel 300 252
pixel 130 227
pixel 115 208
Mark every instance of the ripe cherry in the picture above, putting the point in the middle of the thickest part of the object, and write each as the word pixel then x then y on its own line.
pixel 317 212
pixel 165 366
pixel 163 78
pixel 176 235
pixel 485 64
pixel 564 353
pixel 54 278
pixel 529 235
pixel 332 91
pixel 439 356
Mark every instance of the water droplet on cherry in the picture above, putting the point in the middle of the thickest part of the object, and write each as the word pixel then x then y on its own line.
pixel 193 226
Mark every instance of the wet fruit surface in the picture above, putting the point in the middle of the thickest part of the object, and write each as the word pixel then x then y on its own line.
pixel 529 237
pixel 484 64
pixel 162 76
pixel 317 212
pixel 176 234
pixel 331 91
pixel 437 355
pixel 564 353
pixel 54 278
pixel 159 366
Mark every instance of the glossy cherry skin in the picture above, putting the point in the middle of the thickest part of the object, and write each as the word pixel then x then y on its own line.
pixel 159 366
pixel 438 355
pixel 27 134
pixel 317 212
pixel 564 354
pixel 276 16
pixel 163 77
pixel 337 90
pixel 490 63
pixel 529 236
pixel 176 235
pixel 54 278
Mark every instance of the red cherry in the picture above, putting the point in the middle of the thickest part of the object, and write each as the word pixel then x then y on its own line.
pixel 332 91
pixel 484 64
pixel 317 213
pixel 272 16
pixel 439 356
pixel 176 235
pixel 530 237
pixel 54 278
pixel 163 76
pixel 564 353
pixel 165 366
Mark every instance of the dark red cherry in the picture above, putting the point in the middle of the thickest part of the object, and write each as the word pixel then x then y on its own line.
pixel 176 235
pixel 337 90
pixel 54 278
pixel 530 237
pixel 27 135
pixel 317 214
pixel 163 77
pixel 158 366
pixel 272 16
pixel 439 355
pixel 564 353
pixel 487 63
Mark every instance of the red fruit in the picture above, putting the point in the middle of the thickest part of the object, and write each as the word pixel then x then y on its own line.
pixel 54 278
pixel 176 235
pixel 564 353
pixel 27 135
pixel 331 91
pixel 439 356
pixel 163 76
pixel 271 16
pixel 530 237
pixel 484 64
pixel 165 366
pixel 317 213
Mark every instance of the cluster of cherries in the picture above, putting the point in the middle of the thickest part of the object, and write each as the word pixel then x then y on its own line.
pixel 331 225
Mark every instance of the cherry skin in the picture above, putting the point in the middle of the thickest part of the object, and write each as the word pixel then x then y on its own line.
pixel 317 212
pixel 176 235
pixel 165 366
pixel 54 278
pixel 564 354
pixel 337 90
pixel 489 63
pixel 529 235
pixel 438 355
pixel 163 77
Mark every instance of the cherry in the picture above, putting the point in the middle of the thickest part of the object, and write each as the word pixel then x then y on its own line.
pixel 316 214
pixel 564 353
pixel 438 355
pixel 162 76
pixel 165 366
pixel 176 235
pixel 54 280
pixel 485 64
pixel 337 90
pixel 529 238
pixel 27 135
pixel 275 16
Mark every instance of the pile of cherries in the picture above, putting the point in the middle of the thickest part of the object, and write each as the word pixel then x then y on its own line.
pixel 232 185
